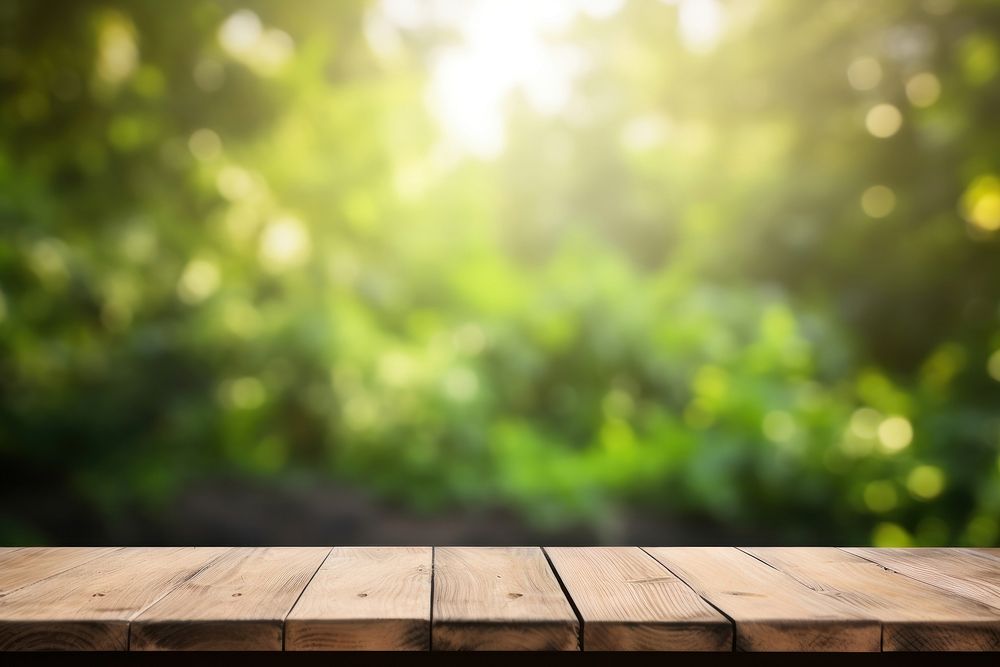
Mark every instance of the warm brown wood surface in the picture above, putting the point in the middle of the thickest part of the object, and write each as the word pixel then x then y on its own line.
pixel 960 571
pixel 613 598
pixel 772 611
pixel 499 598
pixel 629 601
pixel 21 567
pixel 365 598
pixel 915 616
pixel 89 607
pixel 239 602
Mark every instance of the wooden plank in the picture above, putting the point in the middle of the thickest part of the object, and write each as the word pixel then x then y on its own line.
pixel 955 570
pixel 365 598
pixel 239 602
pixel 991 552
pixel 628 602
pixel 772 611
pixel 89 606
pixel 915 616
pixel 494 598
pixel 22 567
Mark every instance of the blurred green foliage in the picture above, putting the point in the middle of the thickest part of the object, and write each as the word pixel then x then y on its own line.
pixel 754 282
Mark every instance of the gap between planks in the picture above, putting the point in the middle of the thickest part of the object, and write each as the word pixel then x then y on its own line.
pixel 732 623
pixel 770 610
pixel 627 600
pixel 365 598
pixel 500 598
pixel 569 598
pixel 962 572
pixel 90 606
pixel 284 626
pixel 913 614
pixel 240 602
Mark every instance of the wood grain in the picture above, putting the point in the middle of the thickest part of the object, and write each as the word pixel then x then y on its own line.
pixel 629 601
pixel 915 616
pixel 799 599
pixel 772 611
pixel 956 570
pixel 89 606
pixel 365 598
pixel 22 567
pixel 493 598
pixel 239 602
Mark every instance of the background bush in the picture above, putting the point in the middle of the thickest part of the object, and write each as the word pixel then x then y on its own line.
pixel 723 283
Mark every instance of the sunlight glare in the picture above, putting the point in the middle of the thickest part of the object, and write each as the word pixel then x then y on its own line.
pixel 700 23
pixel 883 120
pixel 284 243
pixel 501 47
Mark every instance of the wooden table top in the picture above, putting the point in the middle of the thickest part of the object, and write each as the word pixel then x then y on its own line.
pixel 499 598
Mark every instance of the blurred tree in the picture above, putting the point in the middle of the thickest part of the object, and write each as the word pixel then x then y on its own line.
pixel 734 261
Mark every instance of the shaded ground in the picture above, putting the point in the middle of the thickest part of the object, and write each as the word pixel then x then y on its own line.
pixel 240 512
